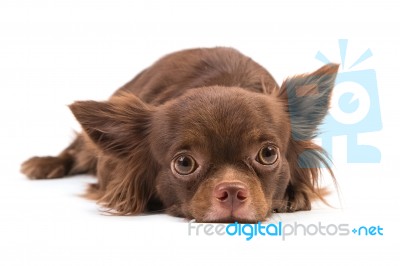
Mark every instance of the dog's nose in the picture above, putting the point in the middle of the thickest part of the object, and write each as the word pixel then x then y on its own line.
pixel 231 195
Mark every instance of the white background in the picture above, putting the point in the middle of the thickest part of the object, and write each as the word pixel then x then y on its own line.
pixel 55 52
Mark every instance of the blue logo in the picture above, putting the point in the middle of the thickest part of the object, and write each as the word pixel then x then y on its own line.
pixel 354 108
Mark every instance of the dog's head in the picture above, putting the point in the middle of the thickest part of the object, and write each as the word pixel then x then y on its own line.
pixel 214 154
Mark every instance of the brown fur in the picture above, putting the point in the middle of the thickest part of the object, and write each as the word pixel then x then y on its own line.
pixel 217 106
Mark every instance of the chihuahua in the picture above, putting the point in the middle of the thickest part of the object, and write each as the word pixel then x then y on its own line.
pixel 205 134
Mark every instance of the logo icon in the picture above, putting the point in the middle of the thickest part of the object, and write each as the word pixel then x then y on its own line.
pixel 354 108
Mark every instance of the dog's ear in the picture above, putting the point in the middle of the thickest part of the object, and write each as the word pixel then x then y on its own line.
pixel 308 97
pixel 120 128
pixel 116 126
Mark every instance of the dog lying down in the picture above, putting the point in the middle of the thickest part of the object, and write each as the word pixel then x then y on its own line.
pixel 205 134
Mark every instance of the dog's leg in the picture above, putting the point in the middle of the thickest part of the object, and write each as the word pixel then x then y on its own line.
pixel 77 158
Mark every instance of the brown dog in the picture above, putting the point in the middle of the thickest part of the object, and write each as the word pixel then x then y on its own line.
pixel 205 134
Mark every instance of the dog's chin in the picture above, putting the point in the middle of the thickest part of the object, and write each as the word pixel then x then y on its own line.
pixel 231 217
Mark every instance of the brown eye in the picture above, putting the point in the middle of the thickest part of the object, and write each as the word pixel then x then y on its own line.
pixel 184 165
pixel 268 155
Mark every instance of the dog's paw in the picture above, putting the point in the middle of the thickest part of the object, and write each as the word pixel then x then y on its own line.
pixel 45 167
pixel 296 201
pixel 299 202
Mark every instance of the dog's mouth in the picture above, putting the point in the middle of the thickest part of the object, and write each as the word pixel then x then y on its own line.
pixel 242 215
pixel 232 219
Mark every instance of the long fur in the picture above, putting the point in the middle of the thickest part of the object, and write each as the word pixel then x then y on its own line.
pixel 308 98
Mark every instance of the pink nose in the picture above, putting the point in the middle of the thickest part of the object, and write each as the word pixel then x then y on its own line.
pixel 231 195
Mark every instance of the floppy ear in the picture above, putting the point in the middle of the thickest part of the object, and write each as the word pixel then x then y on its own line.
pixel 116 126
pixel 308 97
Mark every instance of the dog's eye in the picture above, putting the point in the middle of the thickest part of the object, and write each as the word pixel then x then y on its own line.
pixel 268 155
pixel 184 165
